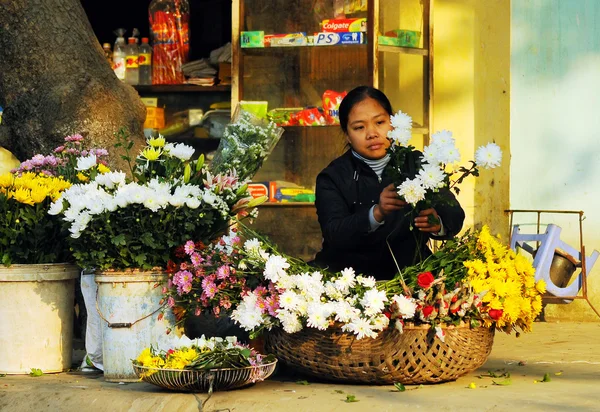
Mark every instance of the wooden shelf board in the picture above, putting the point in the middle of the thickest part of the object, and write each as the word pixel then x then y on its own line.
pixel 403 50
pixel 287 204
pixel 181 88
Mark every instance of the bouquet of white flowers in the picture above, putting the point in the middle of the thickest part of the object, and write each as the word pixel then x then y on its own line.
pixel 245 145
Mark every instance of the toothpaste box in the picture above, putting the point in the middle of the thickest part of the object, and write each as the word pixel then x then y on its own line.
pixel 285 40
pixel 330 39
pixel 344 25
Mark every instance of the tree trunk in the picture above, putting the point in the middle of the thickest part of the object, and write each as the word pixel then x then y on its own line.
pixel 56 81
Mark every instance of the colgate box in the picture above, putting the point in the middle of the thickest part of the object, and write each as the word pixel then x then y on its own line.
pixel 344 25
pixel 330 39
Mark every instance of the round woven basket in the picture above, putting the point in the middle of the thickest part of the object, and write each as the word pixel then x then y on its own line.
pixel 415 356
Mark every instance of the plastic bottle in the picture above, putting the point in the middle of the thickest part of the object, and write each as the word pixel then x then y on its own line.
pixel 107 52
pixel 145 62
pixel 119 58
pixel 132 75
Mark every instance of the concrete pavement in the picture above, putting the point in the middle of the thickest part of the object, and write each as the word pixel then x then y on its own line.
pixel 568 352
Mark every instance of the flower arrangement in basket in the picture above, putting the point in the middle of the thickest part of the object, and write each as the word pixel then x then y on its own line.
pixel 203 365
pixel 117 222
pixel 29 235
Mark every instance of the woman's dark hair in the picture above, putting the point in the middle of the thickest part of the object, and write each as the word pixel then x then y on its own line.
pixel 357 95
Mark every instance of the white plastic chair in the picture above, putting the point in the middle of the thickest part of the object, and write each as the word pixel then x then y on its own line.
pixel 549 243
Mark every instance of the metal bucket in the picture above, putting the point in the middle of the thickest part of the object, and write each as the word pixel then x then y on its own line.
pixel 561 270
pixel 36 317
pixel 129 304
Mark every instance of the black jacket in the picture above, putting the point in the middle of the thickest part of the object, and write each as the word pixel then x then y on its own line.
pixel 345 192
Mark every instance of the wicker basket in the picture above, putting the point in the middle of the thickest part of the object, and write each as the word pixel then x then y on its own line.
pixel 413 357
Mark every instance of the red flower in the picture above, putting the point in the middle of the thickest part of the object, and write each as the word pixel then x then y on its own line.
pixel 171 267
pixel 495 313
pixel 427 310
pixel 425 280
pixel 387 314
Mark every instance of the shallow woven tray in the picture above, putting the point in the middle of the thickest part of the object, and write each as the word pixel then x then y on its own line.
pixel 414 357
pixel 205 381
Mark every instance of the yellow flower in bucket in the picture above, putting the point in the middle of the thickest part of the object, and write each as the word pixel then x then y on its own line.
pixel 151 153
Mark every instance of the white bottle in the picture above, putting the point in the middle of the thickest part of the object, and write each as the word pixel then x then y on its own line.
pixel 119 58
pixel 132 75
pixel 145 62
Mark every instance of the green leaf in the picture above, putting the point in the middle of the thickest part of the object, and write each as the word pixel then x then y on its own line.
pixel 351 398
pixel 504 382
pixel 245 353
pixel 36 372
pixel 119 240
pixel 2 375
pixel 338 391
pixel 302 383
pixel 399 386
pixel 546 378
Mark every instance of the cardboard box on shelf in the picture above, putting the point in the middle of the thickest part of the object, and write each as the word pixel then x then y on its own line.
pixel 224 73
pixel 332 39
pixel 155 118
pixel 344 25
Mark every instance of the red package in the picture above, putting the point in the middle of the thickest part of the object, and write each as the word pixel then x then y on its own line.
pixel 309 117
pixel 331 105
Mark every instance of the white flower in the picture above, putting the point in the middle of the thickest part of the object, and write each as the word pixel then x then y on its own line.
pixel 86 162
pixel 380 322
pixel 289 300
pixel 401 120
pixel 56 207
pixel 406 306
pixel 289 321
pixel 488 156
pixel 332 291
pixel 412 191
pixel 448 154
pixel 361 328
pixel 318 316
pixel 373 301
pixel 252 245
pixel 192 203
pixel 366 281
pixel 399 137
pixel 111 179
pixel 345 312
pixel 181 151
pixel 442 138
pixel 430 155
pixel 347 280
pixel 432 177
pixel 275 267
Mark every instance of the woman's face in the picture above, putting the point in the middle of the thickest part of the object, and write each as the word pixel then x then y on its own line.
pixel 368 126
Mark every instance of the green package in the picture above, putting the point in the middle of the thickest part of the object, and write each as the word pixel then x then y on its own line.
pixel 250 39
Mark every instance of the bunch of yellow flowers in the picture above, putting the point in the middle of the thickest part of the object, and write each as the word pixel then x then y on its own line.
pixel 172 359
pixel 506 281
pixel 32 188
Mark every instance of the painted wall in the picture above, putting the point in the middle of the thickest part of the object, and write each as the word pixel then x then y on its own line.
pixel 472 96
pixel 555 126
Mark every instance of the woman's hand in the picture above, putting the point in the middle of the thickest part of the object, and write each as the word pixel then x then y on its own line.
pixel 388 202
pixel 422 221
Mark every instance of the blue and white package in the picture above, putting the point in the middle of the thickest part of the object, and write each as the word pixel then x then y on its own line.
pixel 331 39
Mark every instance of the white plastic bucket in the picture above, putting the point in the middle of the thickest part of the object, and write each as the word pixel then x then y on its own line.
pixel 128 304
pixel 36 317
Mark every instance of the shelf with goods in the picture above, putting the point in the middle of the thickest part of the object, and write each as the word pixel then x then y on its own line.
pixel 405 74
pixel 298 76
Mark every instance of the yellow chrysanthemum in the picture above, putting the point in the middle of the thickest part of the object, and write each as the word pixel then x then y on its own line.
pixel 23 195
pixel 151 153
pixel 102 168
pixel 39 193
pixel 157 142
pixel 540 286
pixel 82 177
pixel 6 180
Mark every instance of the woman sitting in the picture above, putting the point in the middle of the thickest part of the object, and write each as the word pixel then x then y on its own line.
pixel 362 218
